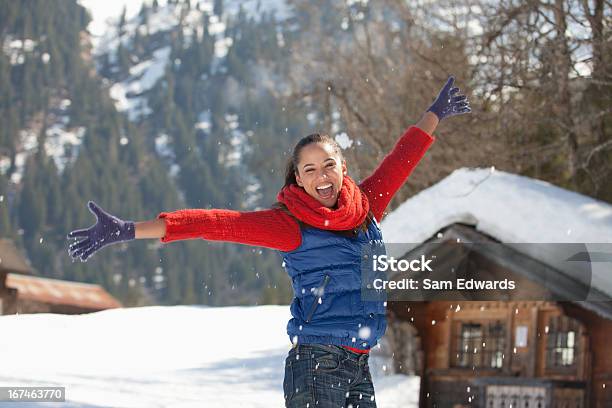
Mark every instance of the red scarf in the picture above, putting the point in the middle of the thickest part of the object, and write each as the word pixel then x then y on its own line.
pixel 352 208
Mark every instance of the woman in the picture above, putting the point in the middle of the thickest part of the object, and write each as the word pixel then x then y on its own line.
pixel 323 224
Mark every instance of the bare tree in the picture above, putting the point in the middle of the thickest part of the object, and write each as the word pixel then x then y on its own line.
pixel 537 73
pixel 553 80
pixel 371 70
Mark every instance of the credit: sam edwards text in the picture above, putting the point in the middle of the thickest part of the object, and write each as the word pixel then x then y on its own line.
pixel 432 284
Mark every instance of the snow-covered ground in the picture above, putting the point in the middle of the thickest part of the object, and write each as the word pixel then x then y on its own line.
pixel 181 356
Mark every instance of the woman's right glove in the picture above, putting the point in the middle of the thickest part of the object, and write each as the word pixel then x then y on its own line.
pixel 107 230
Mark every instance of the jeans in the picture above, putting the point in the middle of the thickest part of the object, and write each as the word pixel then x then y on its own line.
pixel 321 375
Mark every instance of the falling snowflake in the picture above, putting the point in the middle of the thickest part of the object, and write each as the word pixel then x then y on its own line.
pixel 365 332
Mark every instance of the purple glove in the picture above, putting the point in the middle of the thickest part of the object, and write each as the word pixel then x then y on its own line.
pixel 446 104
pixel 108 230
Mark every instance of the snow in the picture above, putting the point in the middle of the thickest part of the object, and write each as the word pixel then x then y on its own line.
pixel 239 143
pixel 16 49
pixel 106 38
pixel 28 143
pixel 149 71
pixel 507 206
pixel 128 94
pixel 61 143
pixel 162 146
pixel 252 192
pixel 58 140
pixel 174 171
pixel 312 118
pixel 165 151
pixel 103 12
pixel 180 356
pixel 510 208
pixel 107 13
pixel 222 46
pixel 344 140
pixel 215 26
pixel 164 19
pixel 253 8
pixel 204 121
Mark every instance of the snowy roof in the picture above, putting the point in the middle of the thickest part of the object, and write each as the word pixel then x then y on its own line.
pixel 508 207
pixel 60 292
pixel 511 209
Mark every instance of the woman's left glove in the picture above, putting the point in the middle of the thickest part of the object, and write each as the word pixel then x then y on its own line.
pixel 449 102
pixel 107 230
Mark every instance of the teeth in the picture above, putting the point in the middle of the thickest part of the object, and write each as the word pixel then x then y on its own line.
pixel 325 186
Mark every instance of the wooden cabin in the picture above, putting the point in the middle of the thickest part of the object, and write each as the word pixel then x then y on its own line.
pixel 550 350
pixel 22 293
pixel 496 353
pixel 44 295
pixel 11 261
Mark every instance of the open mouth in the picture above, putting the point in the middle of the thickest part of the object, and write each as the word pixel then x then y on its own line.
pixel 325 191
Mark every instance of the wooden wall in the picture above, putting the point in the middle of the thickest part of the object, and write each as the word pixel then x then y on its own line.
pixel 599 331
pixel 434 322
pixel 6 297
pixel 29 306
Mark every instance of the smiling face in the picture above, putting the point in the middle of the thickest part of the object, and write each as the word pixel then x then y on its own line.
pixel 320 171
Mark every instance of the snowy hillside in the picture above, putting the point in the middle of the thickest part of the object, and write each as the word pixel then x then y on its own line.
pixel 130 92
pixel 163 357
pixel 107 37
pixel 107 12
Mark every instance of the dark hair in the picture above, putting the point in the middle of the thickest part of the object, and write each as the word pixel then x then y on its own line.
pixel 291 169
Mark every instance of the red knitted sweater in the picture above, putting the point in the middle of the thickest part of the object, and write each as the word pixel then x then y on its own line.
pixel 273 228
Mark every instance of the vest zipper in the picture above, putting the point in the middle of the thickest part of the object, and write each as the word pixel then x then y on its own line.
pixel 314 305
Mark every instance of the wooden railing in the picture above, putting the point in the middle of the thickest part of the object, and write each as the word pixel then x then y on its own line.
pixel 510 393
pixel 505 392
pixel 515 396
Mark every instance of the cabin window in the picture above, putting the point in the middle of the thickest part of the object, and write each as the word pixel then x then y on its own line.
pixel 479 344
pixel 562 342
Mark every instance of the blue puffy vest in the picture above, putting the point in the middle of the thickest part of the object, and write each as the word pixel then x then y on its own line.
pixel 326 272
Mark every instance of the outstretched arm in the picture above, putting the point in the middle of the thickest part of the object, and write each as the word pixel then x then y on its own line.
pixel 428 123
pixel 150 229
pixel 395 168
pixel 392 172
pixel 272 228
pixel 268 228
